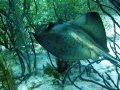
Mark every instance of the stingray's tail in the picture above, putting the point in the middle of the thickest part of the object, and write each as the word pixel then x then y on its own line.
pixel 113 60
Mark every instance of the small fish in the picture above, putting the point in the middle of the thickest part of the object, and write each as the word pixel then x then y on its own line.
pixel 82 38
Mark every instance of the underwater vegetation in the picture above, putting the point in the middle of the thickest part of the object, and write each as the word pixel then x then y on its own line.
pixel 7 81
pixel 71 30
pixel 58 71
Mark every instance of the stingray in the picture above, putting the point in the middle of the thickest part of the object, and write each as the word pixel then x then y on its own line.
pixel 82 38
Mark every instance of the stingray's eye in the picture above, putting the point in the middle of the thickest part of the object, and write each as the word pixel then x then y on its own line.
pixel 50 25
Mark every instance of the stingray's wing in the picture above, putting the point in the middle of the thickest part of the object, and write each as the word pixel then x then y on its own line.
pixel 93 26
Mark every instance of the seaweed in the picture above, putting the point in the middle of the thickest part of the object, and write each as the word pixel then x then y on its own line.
pixel 7 81
pixel 58 71
pixel 13 32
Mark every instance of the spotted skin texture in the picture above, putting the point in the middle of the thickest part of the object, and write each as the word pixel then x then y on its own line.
pixel 82 38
